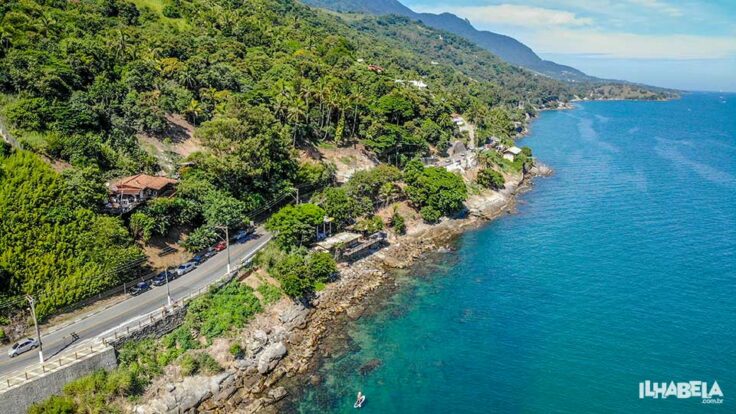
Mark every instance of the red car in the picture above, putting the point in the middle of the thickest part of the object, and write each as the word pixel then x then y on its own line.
pixel 220 246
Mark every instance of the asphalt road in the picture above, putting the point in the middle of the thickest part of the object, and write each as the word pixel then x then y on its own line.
pixel 90 327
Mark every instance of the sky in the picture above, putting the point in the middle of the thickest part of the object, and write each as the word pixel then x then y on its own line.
pixel 683 44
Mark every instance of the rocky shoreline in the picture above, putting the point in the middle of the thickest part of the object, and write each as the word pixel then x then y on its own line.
pixel 283 346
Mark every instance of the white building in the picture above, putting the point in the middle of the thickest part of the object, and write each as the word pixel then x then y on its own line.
pixel 418 84
pixel 511 153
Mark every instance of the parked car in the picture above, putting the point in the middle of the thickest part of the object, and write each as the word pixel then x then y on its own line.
pixel 160 279
pixel 139 288
pixel 209 253
pixel 24 345
pixel 185 268
pixel 199 259
pixel 220 246
pixel 242 236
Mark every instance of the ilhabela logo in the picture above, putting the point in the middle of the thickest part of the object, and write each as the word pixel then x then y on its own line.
pixel 690 389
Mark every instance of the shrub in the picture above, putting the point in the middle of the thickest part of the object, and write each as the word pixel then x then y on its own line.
pixel 189 365
pixel 398 223
pixel 369 225
pixel 490 178
pixel 201 362
pixel 227 308
pixel 171 9
pixel 430 214
pixel 300 271
pixel 270 293
pixel 236 351
pixel 54 405
pixel 207 364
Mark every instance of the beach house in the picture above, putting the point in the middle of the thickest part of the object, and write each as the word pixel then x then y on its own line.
pixel 511 153
pixel 127 193
pixel 351 246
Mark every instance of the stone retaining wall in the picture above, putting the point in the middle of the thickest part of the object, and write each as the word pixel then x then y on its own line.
pixel 17 400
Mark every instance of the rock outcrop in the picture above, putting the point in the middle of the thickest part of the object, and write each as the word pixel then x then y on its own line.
pixel 288 340
pixel 270 357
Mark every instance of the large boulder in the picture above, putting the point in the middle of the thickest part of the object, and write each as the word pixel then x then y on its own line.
pixel 270 357
pixel 257 342
pixel 295 316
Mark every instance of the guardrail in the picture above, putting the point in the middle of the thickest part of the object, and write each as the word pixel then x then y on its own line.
pixel 79 353
pixel 105 340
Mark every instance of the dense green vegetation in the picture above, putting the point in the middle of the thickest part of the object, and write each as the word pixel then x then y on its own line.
pixel 490 178
pixel 299 270
pixel 83 82
pixel 398 223
pixel 209 316
pixel 435 191
pixel 51 246
pixel 296 225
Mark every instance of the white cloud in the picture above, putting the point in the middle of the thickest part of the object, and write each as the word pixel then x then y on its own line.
pixel 614 31
pixel 633 46
pixel 514 15
pixel 659 6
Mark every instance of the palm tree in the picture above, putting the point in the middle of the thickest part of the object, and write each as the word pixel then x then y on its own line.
pixel 193 110
pixel 294 115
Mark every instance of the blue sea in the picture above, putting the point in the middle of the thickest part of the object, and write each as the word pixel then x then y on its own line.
pixel 618 269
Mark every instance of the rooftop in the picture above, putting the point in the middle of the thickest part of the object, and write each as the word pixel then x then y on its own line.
pixel 514 150
pixel 340 238
pixel 141 181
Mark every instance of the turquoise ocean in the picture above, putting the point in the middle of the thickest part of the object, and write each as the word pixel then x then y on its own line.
pixel 620 268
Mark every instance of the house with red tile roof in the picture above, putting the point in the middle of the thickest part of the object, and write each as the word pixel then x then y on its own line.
pixel 128 192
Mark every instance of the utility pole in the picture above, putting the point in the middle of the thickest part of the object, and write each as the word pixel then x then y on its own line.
pixel 35 322
pixel 227 245
pixel 296 197
pixel 168 290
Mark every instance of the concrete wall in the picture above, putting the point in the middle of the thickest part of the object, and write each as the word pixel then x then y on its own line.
pixel 156 330
pixel 17 400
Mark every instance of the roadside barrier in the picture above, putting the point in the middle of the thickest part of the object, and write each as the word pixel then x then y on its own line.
pixel 105 340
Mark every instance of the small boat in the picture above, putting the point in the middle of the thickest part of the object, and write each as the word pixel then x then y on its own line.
pixel 359 401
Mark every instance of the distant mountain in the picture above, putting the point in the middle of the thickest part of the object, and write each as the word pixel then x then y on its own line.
pixel 377 7
pixel 507 48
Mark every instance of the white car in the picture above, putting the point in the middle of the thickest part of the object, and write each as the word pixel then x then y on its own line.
pixel 185 268
pixel 24 345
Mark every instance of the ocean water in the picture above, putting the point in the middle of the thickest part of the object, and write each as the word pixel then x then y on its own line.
pixel 620 268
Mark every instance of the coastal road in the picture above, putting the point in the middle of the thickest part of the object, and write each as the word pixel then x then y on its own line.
pixel 94 324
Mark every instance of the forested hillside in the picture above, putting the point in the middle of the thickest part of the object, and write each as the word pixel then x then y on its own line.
pixel 508 48
pixel 82 81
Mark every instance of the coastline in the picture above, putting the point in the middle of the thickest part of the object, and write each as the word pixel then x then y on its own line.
pixel 366 283
pixel 285 344
pixel 374 278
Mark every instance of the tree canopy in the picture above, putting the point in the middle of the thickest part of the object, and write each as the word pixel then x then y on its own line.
pixel 296 225
pixel 49 245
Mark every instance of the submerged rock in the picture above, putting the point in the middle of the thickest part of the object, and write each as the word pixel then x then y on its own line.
pixel 369 366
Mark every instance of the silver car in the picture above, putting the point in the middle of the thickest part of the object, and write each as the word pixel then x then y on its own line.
pixel 24 345
pixel 185 268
